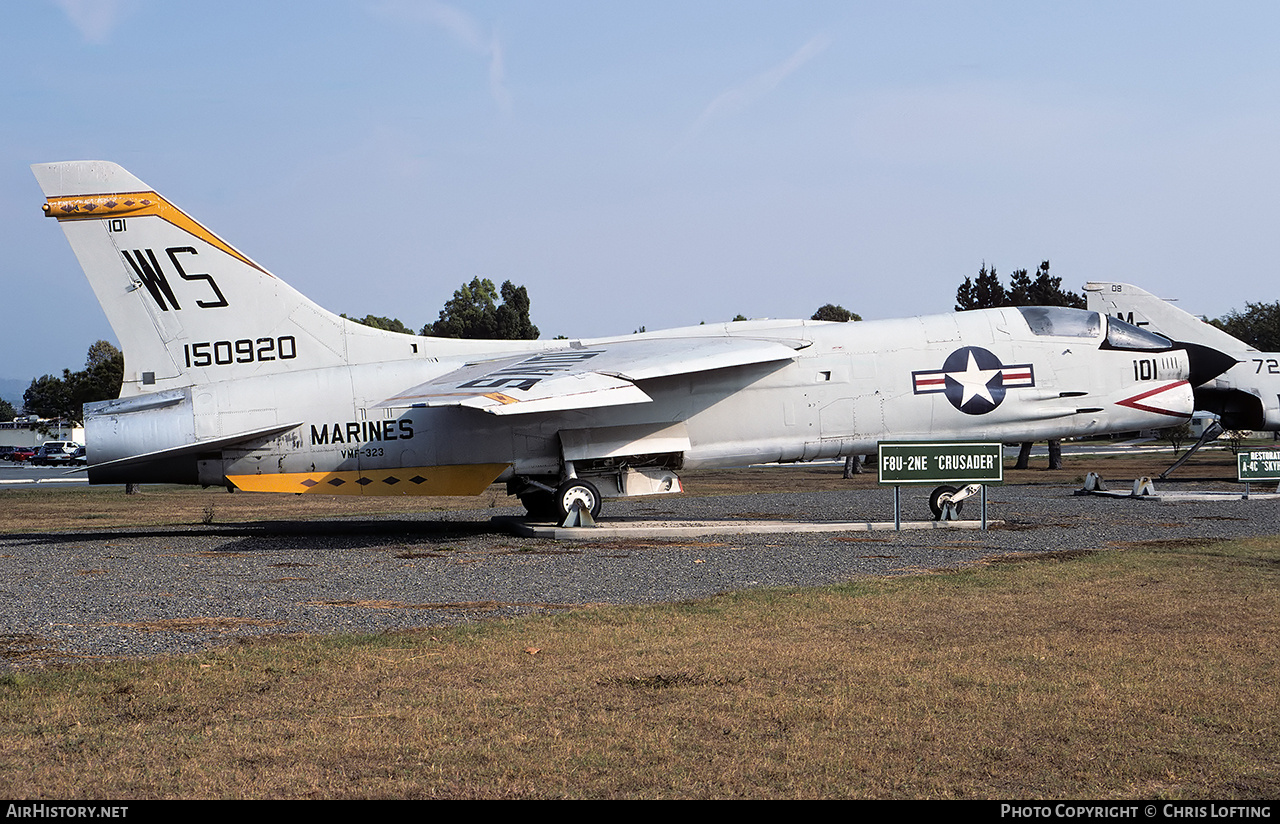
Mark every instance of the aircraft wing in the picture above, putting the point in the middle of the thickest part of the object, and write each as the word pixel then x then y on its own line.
pixel 585 376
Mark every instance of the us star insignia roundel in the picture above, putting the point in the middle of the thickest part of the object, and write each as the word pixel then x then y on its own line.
pixel 973 379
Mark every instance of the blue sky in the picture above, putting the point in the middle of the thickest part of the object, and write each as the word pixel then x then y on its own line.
pixel 653 163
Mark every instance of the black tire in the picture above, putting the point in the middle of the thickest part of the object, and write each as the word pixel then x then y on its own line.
pixel 539 504
pixel 935 501
pixel 580 491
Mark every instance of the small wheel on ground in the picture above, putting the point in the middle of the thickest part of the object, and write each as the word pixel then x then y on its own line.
pixel 935 501
pixel 576 490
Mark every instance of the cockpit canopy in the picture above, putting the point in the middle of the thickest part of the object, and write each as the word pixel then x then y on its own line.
pixel 1061 321
pixel 1121 335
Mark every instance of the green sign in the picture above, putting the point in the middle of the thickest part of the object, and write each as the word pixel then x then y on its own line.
pixel 1258 465
pixel 935 462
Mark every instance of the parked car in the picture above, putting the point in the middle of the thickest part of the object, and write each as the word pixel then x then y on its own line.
pixel 78 458
pixel 20 454
pixel 55 453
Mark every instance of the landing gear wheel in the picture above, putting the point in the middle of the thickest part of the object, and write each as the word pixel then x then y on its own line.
pixel 935 501
pixel 583 493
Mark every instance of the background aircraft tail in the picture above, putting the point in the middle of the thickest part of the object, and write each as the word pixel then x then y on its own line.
pixel 186 306
pixel 1141 308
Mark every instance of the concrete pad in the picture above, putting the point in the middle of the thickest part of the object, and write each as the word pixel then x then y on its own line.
pixel 1174 497
pixel 628 528
pixel 81 481
pixel 1145 489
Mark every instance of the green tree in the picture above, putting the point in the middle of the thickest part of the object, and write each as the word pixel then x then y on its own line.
pixel 834 312
pixel 473 313
pixel 7 412
pixel 52 397
pixel 1258 325
pixel 988 293
pixel 387 324
pixel 1043 290
pixel 1235 439
pixel 1177 435
pixel 512 316
pixel 102 352
pixel 47 396
pixel 983 293
pixel 102 375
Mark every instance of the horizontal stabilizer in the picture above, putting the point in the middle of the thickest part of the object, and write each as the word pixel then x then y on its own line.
pixel 585 376
pixel 207 445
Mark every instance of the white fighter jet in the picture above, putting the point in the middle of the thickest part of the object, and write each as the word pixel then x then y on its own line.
pixel 1243 387
pixel 233 378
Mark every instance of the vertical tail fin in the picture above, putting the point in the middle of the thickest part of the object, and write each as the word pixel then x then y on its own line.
pixel 186 306
pixel 1141 308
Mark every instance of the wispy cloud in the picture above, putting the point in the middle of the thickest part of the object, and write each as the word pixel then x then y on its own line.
pixel 96 19
pixel 467 32
pixel 744 95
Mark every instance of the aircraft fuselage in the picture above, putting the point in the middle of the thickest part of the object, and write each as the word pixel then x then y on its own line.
pixel 841 394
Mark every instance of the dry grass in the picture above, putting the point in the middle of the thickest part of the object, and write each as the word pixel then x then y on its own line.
pixel 1144 670
pixel 1141 671
pixel 42 510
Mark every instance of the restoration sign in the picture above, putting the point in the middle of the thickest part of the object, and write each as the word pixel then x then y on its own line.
pixel 934 462
pixel 1258 465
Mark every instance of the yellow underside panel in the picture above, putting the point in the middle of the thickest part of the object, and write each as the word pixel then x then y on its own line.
pixel 465 479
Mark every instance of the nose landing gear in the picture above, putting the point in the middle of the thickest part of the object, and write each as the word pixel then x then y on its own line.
pixel 945 502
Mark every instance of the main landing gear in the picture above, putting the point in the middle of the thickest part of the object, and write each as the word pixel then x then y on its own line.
pixel 577 491
pixel 545 502
pixel 573 497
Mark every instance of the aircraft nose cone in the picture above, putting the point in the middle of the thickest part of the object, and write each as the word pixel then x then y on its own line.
pixel 1206 363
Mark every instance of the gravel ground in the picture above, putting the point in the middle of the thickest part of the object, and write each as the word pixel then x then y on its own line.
pixel 115 593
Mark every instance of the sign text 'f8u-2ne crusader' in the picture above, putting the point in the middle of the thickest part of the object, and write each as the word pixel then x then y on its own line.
pixel 232 377
pixel 937 462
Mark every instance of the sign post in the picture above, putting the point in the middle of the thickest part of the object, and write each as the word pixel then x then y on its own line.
pixel 937 463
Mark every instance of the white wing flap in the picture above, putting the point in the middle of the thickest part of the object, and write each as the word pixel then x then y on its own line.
pixel 588 389
pixel 584 377
pixel 660 357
